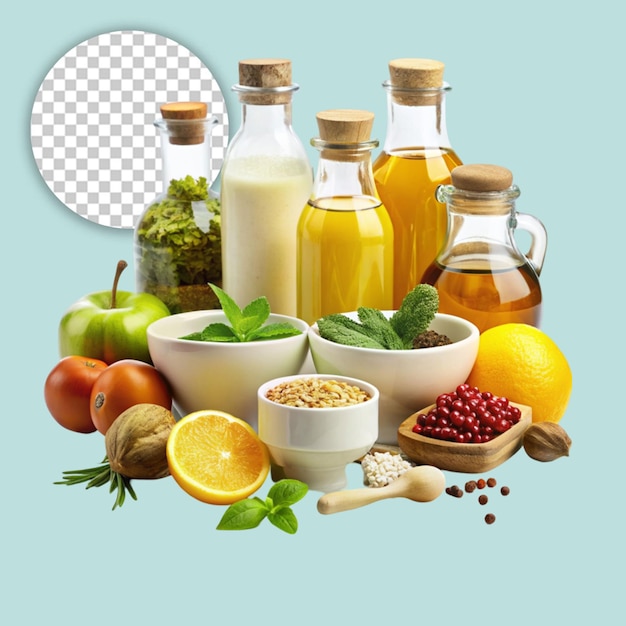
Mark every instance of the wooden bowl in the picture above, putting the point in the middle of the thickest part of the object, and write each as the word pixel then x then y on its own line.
pixel 471 458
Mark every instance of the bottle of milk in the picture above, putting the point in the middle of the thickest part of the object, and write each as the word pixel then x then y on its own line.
pixel 266 181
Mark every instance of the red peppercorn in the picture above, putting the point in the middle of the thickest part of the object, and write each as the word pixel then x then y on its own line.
pixel 483 499
pixel 480 483
pixel 505 491
pixel 491 482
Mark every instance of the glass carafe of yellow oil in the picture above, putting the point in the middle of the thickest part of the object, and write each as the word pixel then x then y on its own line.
pixel 345 236
pixel 480 273
pixel 416 158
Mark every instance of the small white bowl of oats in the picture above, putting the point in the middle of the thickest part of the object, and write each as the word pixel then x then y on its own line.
pixel 315 425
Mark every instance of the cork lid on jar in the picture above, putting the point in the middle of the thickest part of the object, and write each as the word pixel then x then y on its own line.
pixel 265 75
pixel 185 122
pixel 481 177
pixel 409 78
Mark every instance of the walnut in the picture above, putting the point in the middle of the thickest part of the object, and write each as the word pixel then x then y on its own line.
pixel 546 441
pixel 137 439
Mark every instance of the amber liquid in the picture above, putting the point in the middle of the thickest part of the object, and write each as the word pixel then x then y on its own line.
pixel 345 257
pixel 406 182
pixel 487 296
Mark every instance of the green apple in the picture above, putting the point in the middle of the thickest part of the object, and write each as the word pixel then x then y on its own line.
pixel 110 325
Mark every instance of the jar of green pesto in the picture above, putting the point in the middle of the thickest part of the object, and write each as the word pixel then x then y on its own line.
pixel 177 239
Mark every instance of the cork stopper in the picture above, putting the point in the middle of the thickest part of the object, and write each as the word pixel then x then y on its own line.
pixel 345 125
pixel 182 130
pixel 416 75
pixel 481 178
pixel 349 127
pixel 265 74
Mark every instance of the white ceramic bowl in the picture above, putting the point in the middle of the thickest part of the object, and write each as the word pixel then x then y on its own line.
pixel 406 379
pixel 221 376
pixel 315 445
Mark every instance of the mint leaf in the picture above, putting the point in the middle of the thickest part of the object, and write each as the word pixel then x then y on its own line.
pixel 416 312
pixel 229 306
pixel 258 310
pixel 279 330
pixel 245 325
pixel 243 515
pixel 213 332
pixel 193 336
pixel 218 332
pixel 286 492
pixel 341 329
pixel 284 519
pixel 243 321
pixel 379 328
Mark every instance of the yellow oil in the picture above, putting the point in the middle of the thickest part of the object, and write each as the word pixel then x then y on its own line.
pixel 345 257
pixel 406 182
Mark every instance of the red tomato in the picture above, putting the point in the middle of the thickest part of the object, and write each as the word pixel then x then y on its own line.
pixel 67 391
pixel 126 383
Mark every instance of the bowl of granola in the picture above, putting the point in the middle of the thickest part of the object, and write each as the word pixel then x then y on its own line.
pixel 314 425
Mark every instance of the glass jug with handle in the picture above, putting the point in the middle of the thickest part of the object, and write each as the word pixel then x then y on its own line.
pixel 480 272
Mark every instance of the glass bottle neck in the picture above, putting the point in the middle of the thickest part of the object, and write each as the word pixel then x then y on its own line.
pixel 477 237
pixel 345 172
pixel 267 118
pixel 266 130
pixel 180 159
pixel 416 119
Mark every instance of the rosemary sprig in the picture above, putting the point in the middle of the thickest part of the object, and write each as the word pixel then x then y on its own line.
pixel 99 476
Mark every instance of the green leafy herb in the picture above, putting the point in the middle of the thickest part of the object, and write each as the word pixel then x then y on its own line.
pixel 249 513
pixel 342 329
pixel 247 324
pixel 375 330
pixel 98 477
pixel 376 324
pixel 416 313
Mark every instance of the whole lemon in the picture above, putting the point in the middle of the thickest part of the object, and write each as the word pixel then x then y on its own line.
pixel 523 364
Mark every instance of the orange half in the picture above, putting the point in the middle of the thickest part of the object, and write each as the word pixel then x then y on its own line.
pixel 217 458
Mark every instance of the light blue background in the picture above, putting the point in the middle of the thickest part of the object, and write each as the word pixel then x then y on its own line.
pixel 535 88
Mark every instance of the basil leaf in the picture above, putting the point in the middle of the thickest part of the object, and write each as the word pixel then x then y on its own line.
pixel 284 519
pixel 286 492
pixel 243 515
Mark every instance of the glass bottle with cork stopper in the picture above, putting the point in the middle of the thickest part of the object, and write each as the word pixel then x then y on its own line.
pixel 480 273
pixel 416 158
pixel 345 236
pixel 177 238
pixel 266 180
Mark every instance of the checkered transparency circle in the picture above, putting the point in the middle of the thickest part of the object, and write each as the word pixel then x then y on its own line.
pixel 92 123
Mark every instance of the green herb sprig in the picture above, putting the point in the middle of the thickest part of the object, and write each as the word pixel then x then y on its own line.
pixel 247 324
pixel 374 330
pixel 98 477
pixel 249 513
